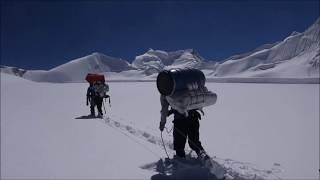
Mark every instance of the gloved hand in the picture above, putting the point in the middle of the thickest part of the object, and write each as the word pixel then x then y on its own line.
pixel 162 125
pixel 170 112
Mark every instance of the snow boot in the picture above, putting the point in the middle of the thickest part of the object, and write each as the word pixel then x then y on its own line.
pixel 100 115
pixel 203 155
pixel 181 153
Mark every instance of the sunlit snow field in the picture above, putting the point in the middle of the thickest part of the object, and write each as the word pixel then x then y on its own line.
pixel 44 134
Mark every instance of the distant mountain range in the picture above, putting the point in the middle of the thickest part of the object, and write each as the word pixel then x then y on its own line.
pixel 297 56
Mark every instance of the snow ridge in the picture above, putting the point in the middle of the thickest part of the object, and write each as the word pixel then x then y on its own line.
pixel 13 70
pixel 295 56
pixel 76 70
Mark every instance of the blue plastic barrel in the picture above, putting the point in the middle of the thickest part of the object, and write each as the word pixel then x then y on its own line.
pixel 176 80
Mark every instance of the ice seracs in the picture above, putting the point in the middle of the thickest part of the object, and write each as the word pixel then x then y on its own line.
pixel 157 60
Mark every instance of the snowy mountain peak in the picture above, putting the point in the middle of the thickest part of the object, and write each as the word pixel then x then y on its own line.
pixel 317 21
pixel 96 62
pixel 157 60
pixel 294 33
pixel 13 70
pixel 295 56
pixel 97 54
pixel 77 69
pixel 314 30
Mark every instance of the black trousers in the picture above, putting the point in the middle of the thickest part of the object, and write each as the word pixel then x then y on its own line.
pixel 186 127
pixel 96 101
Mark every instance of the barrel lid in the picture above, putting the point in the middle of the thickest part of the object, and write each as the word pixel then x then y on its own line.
pixel 165 83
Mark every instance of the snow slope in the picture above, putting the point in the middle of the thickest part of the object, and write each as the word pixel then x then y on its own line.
pixel 76 70
pixel 262 130
pixel 296 56
pixel 13 70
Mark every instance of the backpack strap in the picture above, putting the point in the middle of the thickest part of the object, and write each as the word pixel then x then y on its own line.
pixel 194 114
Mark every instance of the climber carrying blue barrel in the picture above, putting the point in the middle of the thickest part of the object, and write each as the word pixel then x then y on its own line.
pixel 185 92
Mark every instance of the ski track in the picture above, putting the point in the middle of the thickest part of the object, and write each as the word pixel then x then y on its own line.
pixel 235 169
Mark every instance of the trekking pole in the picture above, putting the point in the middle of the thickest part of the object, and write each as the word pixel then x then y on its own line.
pixel 164 147
pixel 105 112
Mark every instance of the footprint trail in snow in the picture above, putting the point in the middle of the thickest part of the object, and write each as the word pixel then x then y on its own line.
pixel 235 169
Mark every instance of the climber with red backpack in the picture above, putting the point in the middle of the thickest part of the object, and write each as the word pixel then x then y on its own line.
pixel 96 92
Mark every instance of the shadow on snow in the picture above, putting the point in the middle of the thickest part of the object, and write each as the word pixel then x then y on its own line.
pixel 88 117
pixel 189 169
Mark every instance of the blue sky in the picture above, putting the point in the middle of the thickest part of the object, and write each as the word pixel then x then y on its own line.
pixel 44 34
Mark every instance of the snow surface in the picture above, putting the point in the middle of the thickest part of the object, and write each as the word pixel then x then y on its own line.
pixel 267 130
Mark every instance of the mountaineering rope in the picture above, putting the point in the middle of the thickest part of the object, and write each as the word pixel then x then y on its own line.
pixel 164 147
pixel 169 131
pixel 109 101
